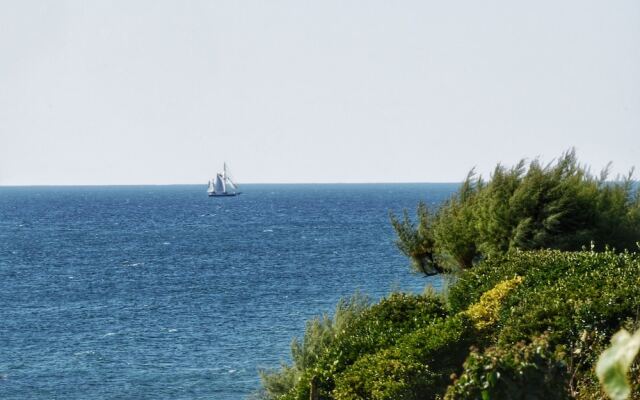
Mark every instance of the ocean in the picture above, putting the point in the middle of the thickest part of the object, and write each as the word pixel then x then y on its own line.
pixel 160 292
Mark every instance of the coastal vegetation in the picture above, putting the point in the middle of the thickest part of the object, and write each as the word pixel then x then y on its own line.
pixel 544 271
pixel 527 207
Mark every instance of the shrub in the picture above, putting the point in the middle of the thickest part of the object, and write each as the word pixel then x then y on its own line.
pixel 382 324
pixel 276 383
pixel 376 329
pixel 523 371
pixel 484 313
pixel 407 346
pixel 586 291
pixel 384 375
pixel 579 298
pixel 319 334
pixel 419 366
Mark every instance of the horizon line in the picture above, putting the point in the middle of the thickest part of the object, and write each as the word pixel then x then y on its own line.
pixel 202 184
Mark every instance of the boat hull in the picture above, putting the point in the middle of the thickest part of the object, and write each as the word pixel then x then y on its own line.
pixel 224 194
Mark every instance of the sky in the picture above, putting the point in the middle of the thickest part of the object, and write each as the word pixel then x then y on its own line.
pixel 163 92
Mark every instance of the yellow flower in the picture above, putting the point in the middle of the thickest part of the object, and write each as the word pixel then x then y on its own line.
pixel 484 313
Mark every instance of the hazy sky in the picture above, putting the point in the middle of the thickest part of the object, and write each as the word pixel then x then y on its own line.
pixel 124 92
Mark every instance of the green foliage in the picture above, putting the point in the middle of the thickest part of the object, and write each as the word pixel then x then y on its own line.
pixel 418 366
pixel 614 363
pixel 276 383
pixel 455 228
pixel 416 241
pixel 383 375
pixel 319 333
pixel 597 292
pixel 565 293
pixel 522 371
pixel 527 207
pixel 376 329
pixel 538 321
pixel 579 298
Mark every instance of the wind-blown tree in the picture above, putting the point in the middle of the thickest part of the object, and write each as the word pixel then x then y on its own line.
pixel 557 206
pixel 416 241
pixel 455 227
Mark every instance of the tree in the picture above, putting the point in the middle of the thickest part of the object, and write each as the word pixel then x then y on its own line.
pixel 526 207
pixel 416 241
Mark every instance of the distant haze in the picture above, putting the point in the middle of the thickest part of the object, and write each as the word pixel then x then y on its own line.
pixel 133 92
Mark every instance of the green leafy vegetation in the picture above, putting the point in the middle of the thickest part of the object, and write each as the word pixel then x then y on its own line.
pixel 526 207
pixel 417 242
pixel 522 371
pixel 420 362
pixel 319 334
pixel 377 328
pixel 528 324
pixel 614 363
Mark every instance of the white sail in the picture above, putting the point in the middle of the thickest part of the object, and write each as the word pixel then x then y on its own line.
pixel 219 185
pixel 233 185
pixel 211 188
pixel 228 180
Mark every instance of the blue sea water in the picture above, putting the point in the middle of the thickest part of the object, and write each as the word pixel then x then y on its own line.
pixel 159 292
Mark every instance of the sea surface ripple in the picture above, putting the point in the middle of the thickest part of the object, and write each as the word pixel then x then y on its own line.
pixel 159 292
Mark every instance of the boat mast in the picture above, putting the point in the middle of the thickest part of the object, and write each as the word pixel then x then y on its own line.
pixel 224 176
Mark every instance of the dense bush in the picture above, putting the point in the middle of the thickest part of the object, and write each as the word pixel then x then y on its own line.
pixel 383 375
pixel 419 366
pixel 558 206
pixel 382 324
pixel 523 371
pixel 578 298
pixel 536 319
pixel 377 328
pixel 563 292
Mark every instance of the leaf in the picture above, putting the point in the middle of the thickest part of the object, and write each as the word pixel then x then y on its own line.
pixel 614 363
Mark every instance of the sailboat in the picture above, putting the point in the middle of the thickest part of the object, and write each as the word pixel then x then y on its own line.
pixel 222 185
